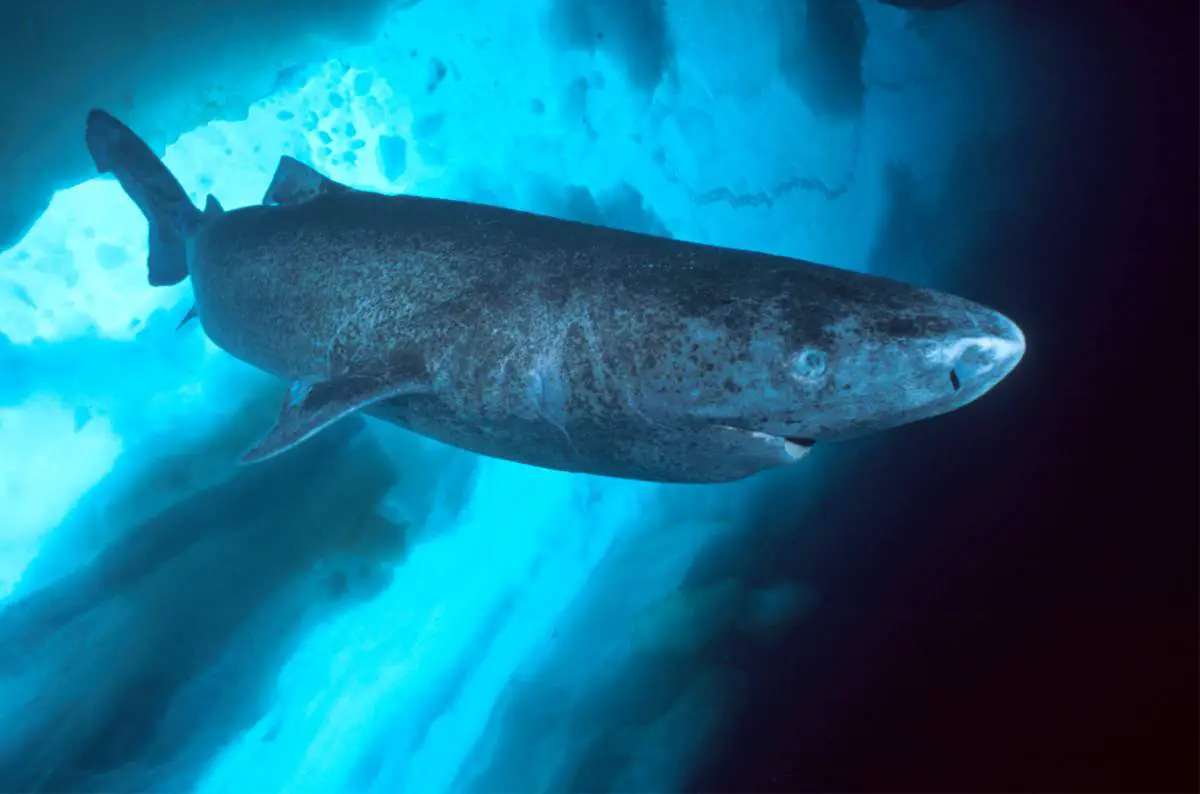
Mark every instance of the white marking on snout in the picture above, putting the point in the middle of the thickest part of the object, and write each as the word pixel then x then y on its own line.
pixel 996 348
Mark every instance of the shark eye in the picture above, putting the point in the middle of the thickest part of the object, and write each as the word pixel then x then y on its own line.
pixel 808 364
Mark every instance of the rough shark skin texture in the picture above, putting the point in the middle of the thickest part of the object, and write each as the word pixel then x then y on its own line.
pixel 566 345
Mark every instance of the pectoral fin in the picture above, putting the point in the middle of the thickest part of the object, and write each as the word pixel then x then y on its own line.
pixel 191 315
pixel 311 407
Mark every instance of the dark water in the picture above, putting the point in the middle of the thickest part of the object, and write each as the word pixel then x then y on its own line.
pixel 1025 618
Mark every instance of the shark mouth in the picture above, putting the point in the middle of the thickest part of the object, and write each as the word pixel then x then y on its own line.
pixel 797 447
pixel 794 447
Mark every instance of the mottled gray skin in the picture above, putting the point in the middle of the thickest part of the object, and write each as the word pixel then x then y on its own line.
pixel 548 342
pixel 576 347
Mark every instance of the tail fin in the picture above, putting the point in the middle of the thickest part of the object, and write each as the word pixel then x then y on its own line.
pixel 172 217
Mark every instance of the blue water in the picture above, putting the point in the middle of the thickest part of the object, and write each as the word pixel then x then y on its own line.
pixel 374 611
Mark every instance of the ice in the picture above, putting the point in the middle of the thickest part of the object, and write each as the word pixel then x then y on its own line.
pixel 43 429
pixel 377 612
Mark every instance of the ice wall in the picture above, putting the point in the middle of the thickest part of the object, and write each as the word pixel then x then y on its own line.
pixel 375 612
pixel 165 66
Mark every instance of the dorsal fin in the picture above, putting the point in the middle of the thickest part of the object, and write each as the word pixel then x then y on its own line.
pixel 212 206
pixel 295 183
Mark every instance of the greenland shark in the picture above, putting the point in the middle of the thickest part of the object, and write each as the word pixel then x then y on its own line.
pixel 549 342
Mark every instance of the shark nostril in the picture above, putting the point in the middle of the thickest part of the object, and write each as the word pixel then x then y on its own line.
pixel 954 381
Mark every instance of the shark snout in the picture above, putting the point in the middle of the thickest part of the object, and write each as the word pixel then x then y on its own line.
pixel 982 358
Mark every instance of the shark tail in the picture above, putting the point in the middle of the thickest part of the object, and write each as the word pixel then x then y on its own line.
pixel 172 217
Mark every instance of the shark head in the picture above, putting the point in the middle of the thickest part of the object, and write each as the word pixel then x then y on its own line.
pixel 848 355
pixel 882 367
pixel 875 365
